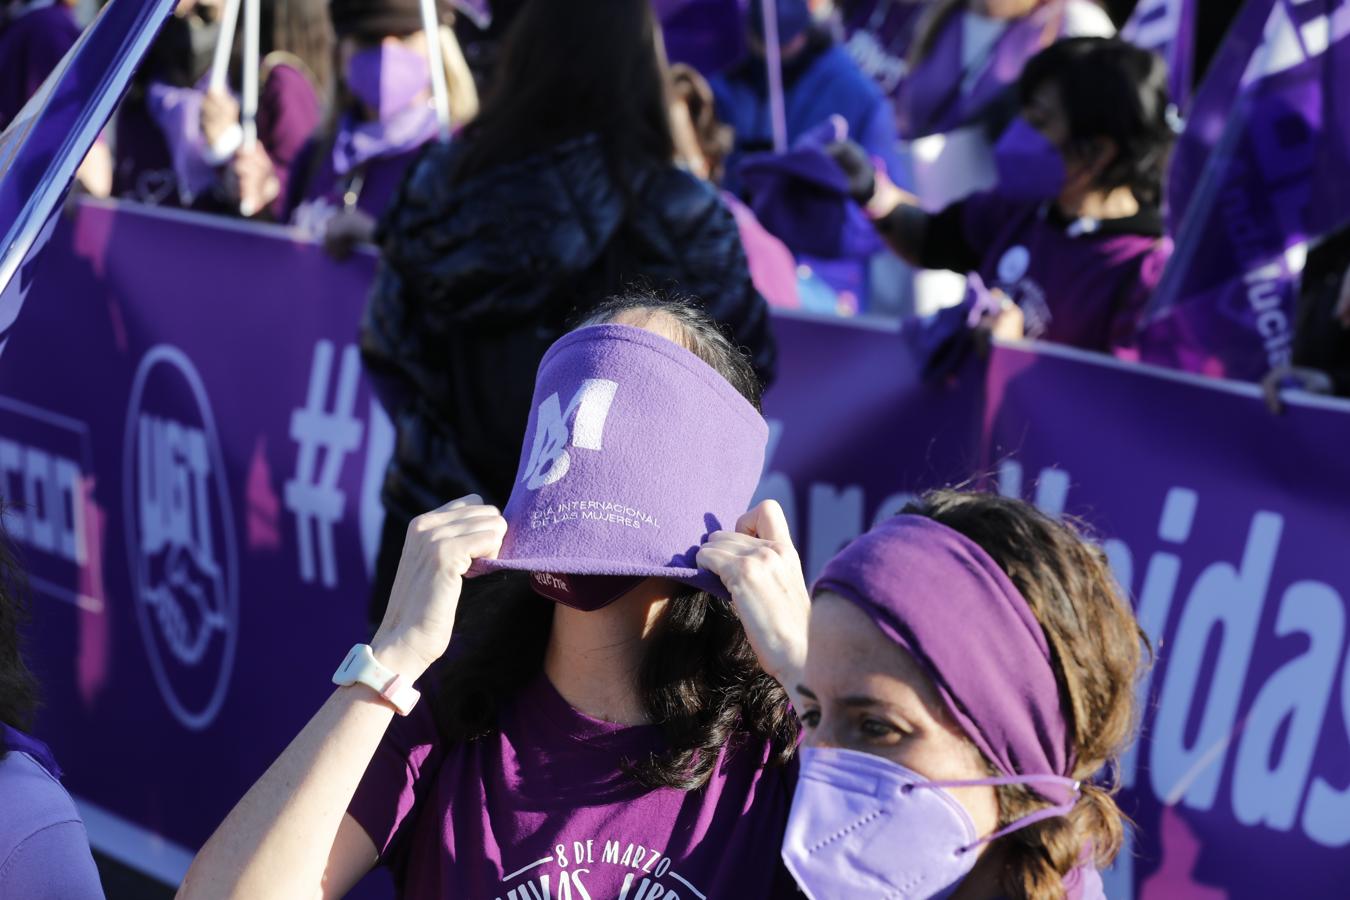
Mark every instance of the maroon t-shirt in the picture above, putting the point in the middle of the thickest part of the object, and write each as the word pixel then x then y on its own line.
pixel 1082 283
pixel 544 809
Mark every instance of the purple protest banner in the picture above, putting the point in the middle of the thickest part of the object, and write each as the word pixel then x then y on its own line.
pixel 42 148
pixel 1224 524
pixel 1259 173
pixel 1167 27
pixel 196 468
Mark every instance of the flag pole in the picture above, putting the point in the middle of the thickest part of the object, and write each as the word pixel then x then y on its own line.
pixel 440 93
pixel 248 105
pixel 220 61
pixel 773 60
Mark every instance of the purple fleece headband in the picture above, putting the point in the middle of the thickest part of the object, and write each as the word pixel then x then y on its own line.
pixel 937 594
pixel 635 450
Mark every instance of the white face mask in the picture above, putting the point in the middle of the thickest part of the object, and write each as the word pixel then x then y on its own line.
pixel 863 826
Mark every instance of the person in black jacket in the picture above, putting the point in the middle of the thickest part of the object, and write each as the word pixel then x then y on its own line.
pixel 560 194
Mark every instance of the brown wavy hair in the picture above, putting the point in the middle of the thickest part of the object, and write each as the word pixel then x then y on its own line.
pixel 1099 653
pixel 699 681
pixel 18 687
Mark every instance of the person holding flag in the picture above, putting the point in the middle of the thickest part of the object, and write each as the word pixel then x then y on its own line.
pixel 383 116
pixel 1071 239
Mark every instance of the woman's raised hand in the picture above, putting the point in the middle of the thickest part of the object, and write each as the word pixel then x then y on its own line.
pixel 436 553
pixel 761 570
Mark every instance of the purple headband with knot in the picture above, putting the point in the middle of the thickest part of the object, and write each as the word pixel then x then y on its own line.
pixel 938 595
pixel 635 451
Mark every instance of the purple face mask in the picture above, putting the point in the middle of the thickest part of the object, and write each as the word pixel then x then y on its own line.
pixel 863 826
pixel 1029 166
pixel 387 78
pixel 586 593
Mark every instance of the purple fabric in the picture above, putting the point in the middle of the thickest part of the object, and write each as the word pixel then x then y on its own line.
pixel 44 852
pixel 288 113
pixel 635 451
pixel 316 186
pixel 938 595
pixel 178 113
pixel 1029 166
pixel 1167 27
pixel 772 267
pixel 1258 174
pixel 794 17
pixel 14 739
pixel 387 78
pixel 543 804
pixel 706 34
pixel 931 99
pixel 1084 289
pixel 359 142
pixel 878 34
pixel 803 198
pixel 1249 510
pixel 30 48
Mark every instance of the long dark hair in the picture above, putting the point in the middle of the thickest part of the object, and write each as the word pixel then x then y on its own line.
pixel 18 687
pixel 1112 89
pixel 302 29
pixel 569 69
pixel 1099 654
pixel 699 681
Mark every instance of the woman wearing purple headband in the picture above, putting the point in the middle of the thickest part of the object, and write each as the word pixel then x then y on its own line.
pixel 600 725
pixel 970 675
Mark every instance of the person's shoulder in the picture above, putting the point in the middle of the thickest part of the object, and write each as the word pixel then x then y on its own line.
pixel 1084 18
pixel 678 196
pixel 34 800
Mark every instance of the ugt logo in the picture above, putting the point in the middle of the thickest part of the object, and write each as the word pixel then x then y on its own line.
pixel 180 536
pixel 549 459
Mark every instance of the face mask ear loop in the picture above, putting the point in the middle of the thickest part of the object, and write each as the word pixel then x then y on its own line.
pixel 1063 809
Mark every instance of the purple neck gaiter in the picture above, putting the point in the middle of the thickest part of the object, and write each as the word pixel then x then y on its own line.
pixel 635 451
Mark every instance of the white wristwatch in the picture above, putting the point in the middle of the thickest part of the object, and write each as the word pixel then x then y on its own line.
pixel 361 667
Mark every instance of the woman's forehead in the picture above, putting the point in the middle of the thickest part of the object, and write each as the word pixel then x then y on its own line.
pixel 848 655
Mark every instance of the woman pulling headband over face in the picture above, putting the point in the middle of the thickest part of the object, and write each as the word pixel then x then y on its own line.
pixel 970 671
pixel 600 726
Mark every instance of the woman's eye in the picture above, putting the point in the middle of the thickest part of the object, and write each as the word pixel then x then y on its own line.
pixel 810 718
pixel 875 728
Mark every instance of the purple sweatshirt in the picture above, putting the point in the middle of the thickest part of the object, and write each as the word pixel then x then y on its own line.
pixel 44 851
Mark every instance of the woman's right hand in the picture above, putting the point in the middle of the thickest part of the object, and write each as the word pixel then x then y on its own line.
pixel 436 553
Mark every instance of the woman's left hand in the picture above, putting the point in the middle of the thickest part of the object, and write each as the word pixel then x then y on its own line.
pixel 761 570
pixel 346 230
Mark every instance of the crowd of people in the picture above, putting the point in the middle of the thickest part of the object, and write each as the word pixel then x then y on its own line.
pixel 580 240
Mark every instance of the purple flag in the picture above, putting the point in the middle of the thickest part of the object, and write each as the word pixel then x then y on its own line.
pixel 42 148
pixel 877 34
pixel 1261 171
pixel 1167 27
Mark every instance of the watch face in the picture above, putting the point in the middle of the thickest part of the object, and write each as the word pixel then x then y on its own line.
pixel 346 673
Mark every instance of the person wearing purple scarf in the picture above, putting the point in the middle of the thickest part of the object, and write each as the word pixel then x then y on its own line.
pixel 346 175
pixel 44 851
pixel 591 718
pixel 1069 244
pixel 969 678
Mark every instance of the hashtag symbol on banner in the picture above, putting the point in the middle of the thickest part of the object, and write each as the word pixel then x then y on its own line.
pixel 318 502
